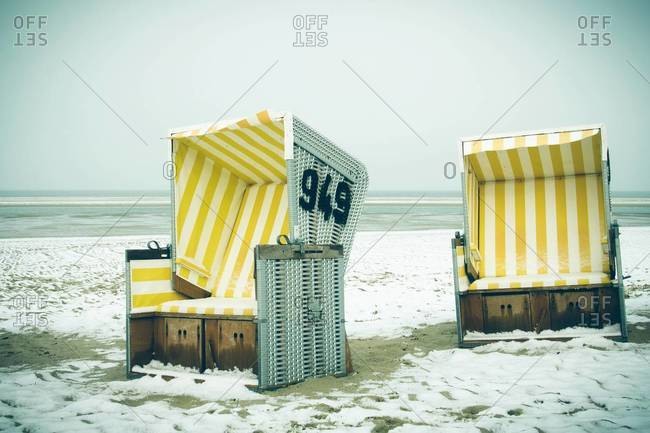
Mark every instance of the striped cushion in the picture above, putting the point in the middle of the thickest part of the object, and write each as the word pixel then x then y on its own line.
pixel 544 280
pixel 151 284
pixel 212 306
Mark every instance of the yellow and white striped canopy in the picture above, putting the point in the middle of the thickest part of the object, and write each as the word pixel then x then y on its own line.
pixel 230 195
pixel 563 153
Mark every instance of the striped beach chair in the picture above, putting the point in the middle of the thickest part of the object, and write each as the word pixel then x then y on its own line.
pixel 539 250
pixel 235 185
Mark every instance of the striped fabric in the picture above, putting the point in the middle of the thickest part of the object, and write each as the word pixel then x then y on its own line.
pixel 533 156
pixel 212 306
pixel 216 170
pixel 472 191
pixel 260 120
pixel 536 210
pixel 544 280
pixel 205 215
pixel 230 194
pixel 542 226
pixel 262 217
pixel 151 285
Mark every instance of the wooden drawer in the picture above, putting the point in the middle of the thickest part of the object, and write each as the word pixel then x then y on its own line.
pixel 579 308
pixel 230 344
pixel 505 313
pixel 183 342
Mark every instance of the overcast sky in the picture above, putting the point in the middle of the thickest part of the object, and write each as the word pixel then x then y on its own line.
pixel 446 69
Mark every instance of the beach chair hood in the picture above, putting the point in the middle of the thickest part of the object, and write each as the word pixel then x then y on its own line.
pixel 540 250
pixel 536 205
pixel 242 183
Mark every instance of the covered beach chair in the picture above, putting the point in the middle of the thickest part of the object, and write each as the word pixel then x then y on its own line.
pixel 238 185
pixel 539 256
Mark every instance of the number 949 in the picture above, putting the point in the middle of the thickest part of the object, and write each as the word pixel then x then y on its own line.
pixel 338 207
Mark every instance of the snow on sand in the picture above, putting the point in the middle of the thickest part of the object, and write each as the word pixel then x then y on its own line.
pixel 67 375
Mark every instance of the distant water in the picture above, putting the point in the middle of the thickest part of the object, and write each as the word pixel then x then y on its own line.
pixel 71 214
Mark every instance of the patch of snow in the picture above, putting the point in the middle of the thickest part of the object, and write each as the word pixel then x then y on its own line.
pixel 585 384
pixel 576 331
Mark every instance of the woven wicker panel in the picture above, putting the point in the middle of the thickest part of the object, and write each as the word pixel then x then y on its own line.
pixel 313 152
pixel 301 329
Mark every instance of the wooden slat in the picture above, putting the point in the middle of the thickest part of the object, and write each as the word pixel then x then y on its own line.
pixel 539 311
pixel 188 289
pixel 141 340
pixel 472 312
pixel 159 339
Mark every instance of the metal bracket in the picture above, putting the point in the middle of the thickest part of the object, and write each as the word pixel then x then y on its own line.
pixel 315 311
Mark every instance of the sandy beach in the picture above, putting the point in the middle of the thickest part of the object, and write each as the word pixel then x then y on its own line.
pixel 409 377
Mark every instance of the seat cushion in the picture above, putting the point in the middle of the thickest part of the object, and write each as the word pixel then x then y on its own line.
pixel 212 306
pixel 540 280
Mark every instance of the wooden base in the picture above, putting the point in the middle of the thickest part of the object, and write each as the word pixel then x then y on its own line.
pixel 539 309
pixel 198 343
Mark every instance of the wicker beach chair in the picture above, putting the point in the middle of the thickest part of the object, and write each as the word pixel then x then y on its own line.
pixel 238 185
pixel 539 256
